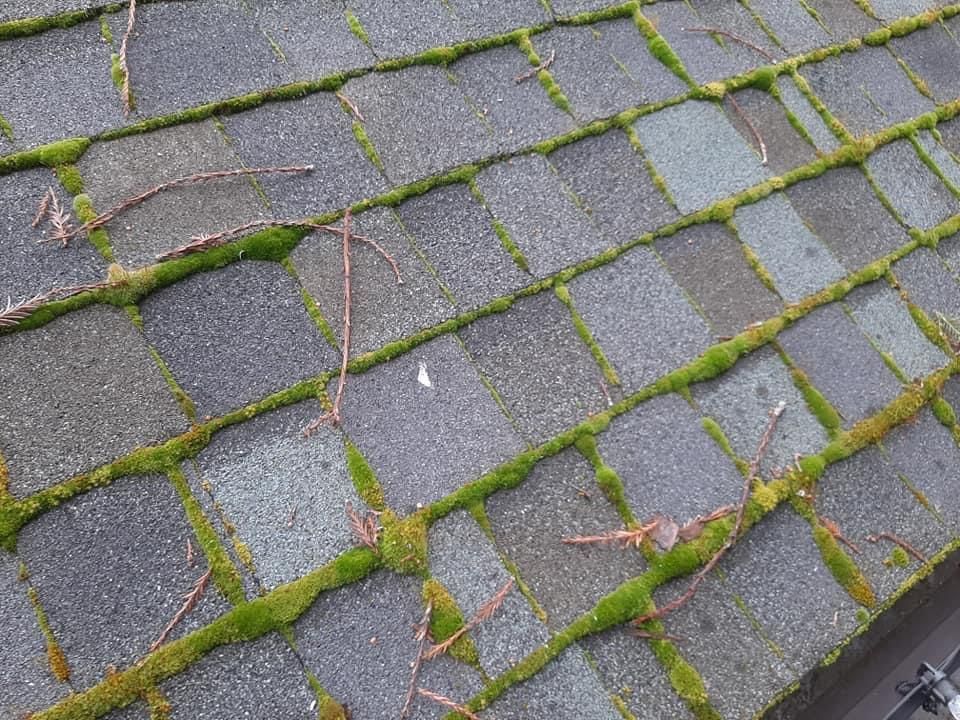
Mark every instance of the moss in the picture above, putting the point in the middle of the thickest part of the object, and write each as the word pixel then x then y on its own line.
pixel 660 49
pixel 943 411
pixel 105 32
pixel 70 178
pixel 719 437
pixel 364 478
pixel 446 619
pixel 55 656
pixel 686 681
pixel 880 36
pixel 403 543
pixel 369 150
pixel 225 576
pixel 63 152
pixel 929 328
pixel 356 28
pixel 610 483
pixel 609 373
pixel 6 129
pixel 753 260
pixel 818 405
pixel 931 164
pixel 34 25
pixel 83 207
pixel 764 78
pixel 843 569
pixel 544 77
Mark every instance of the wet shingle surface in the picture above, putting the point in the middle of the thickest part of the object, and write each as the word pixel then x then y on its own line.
pixel 605 290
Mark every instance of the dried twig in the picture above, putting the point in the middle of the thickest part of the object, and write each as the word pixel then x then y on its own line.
pixel 448 703
pixel 735 38
pixel 122 59
pixel 350 104
pixel 533 71
pixel 423 637
pixel 190 562
pixel 691 590
pixel 837 533
pixel 753 128
pixel 364 528
pixel 485 612
pixel 127 203
pixel 626 538
pixel 333 417
pixel 897 540
pixel 42 209
pixel 190 601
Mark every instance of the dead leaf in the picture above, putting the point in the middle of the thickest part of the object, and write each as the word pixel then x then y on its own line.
pixel 664 531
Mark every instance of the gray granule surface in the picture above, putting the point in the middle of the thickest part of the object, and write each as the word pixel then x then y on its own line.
pixel 929 283
pixel 806 114
pixel 404 27
pixel 455 233
pixel 452 430
pixel 667 462
pixel 792 24
pixel 885 318
pixel 700 155
pixel 57 85
pixel 914 190
pixel 631 300
pixel 102 399
pixel 541 368
pixel 840 363
pixel 932 53
pixel 709 263
pixel 467 565
pixel 284 492
pixel 611 181
pixel 530 200
pixel 799 263
pixel 235 335
pixel 741 400
pixel 313 130
pixel 109 569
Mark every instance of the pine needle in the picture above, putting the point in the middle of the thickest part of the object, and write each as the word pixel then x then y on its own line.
pixel 486 611
pixel 448 703
pixel 364 528
pixel 60 220
pixel 422 637
pixel 42 209
pixel 626 538
pixel 190 601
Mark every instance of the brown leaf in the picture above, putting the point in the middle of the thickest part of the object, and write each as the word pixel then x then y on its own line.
pixel 664 531
pixel 694 528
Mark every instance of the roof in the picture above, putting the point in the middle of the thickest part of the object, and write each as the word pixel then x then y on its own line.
pixel 676 281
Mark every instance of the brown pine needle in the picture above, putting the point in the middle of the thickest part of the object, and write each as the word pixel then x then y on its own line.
pixel 735 38
pixel 837 534
pixel 190 562
pixel 646 635
pixel 351 105
pixel 486 611
pixel 422 637
pixel 448 703
pixel 42 209
pixel 60 220
pixel 364 528
pixel 897 540
pixel 333 417
pixel 534 71
pixel 626 538
pixel 753 128
pixel 122 59
pixel 752 472
pixel 190 601
pixel 127 203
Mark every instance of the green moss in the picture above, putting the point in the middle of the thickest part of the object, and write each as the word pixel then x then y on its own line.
pixel 105 32
pixel 862 616
pixel 660 49
pixel 70 178
pixel 612 486
pixel 446 619
pixel 898 558
pixel 364 478
pixel 369 150
pixel 225 576
pixel 880 36
pixel 764 78
pixel 684 678
pixel 609 373
pixel 929 328
pixel 63 152
pixel 403 543
pixel 55 657
pixel 931 165
pixel 83 207
pixel 716 432
pixel 818 405
pixel 34 25
pixel 545 78
pixel 843 569
pixel 6 129
pixel 753 260
pixel 183 400
pixel 356 28
pixel 943 411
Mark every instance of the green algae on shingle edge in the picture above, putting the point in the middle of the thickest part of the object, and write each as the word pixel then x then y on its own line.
pixel 225 575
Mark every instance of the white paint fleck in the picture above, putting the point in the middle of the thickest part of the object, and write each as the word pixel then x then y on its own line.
pixel 422 377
